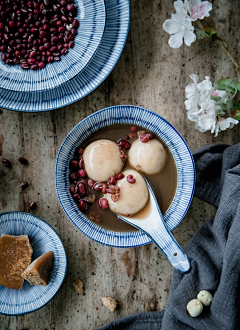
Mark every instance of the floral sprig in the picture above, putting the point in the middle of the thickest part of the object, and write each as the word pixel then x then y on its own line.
pixel 212 107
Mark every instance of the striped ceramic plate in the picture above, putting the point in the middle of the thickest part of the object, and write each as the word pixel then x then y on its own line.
pixel 130 115
pixel 91 15
pixel 43 238
pixel 101 64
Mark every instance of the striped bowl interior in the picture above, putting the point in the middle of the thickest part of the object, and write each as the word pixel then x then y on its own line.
pixel 129 115
pixel 91 15
pixel 101 64
pixel 43 238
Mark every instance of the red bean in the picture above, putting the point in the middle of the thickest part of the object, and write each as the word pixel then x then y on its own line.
pixel 7 163
pixel 115 197
pixel 82 173
pixel 112 180
pixel 41 65
pixel 120 176
pixel 91 183
pixel 23 185
pixel 103 203
pixel 82 206
pixel 73 176
pixel 76 197
pixel 75 23
pixel 97 186
pixel 124 144
pixel 73 164
pixel 73 189
pixel 81 163
pixel 82 188
pixel 104 188
pixel 131 179
pixel 112 189
pixel 33 205
pixel 133 128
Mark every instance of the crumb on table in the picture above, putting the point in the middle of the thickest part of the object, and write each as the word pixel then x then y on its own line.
pixel 78 286
pixel 110 303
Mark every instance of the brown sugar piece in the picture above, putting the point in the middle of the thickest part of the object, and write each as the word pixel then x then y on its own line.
pixel 15 256
pixel 38 272
pixel 78 286
pixel 109 303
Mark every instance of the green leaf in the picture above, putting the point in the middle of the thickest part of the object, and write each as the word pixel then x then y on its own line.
pixel 210 31
pixel 236 105
pixel 201 34
pixel 228 84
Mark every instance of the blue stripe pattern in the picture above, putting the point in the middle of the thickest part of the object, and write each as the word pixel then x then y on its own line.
pixel 43 238
pixel 91 15
pixel 98 68
pixel 129 115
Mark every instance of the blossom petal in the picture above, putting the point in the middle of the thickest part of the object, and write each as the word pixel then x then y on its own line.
pixel 179 19
pixel 199 9
pixel 189 37
pixel 176 40
pixel 170 26
pixel 180 7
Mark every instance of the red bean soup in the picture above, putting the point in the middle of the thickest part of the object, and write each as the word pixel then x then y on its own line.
pixel 89 194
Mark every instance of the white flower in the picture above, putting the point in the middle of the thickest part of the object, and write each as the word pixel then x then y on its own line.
pixel 199 9
pixel 205 111
pixel 179 27
pixel 223 124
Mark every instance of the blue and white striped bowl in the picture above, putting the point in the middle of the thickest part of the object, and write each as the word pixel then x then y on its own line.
pixel 91 15
pixel 125 114
pixel 43 238
pixel 101 64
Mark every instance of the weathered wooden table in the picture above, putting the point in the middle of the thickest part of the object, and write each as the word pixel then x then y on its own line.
pixel 149 74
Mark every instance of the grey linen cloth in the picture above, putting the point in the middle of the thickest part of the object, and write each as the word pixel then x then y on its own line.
pixel 214 253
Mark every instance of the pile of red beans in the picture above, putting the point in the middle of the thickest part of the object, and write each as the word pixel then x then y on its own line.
pixel 36 32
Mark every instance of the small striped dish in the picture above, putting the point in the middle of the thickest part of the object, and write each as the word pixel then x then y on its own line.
pixel 43 238
pixel 91 15
pixel 130 115
pixel 98 68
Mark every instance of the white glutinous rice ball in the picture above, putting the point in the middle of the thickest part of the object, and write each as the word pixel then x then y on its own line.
pixel 102 159
pixel 149 157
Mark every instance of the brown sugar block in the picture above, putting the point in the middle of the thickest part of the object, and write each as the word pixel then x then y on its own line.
pixel 109 303
pixel 15 256
pixel 78 286
pixel 37 273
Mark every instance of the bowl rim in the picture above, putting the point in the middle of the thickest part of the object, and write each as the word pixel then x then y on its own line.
pixel 92 84
pixel 116 238
pixel 93 27
pixel 24 214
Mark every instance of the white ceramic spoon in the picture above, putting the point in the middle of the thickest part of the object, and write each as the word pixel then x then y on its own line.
pixel 154 226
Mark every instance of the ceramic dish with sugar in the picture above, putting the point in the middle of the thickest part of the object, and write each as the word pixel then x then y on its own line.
pixel 43 238
pixel 120 115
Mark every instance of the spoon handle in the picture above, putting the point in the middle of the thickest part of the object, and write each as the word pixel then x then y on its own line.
pixel 163 238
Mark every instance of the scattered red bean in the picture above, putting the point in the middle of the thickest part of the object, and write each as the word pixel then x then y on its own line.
pixel 82 205
pixel 91 183
pixel 81 163
pixel 72 189
pixel 82 188
pixel 113 189
pixel 123 156
pixel 76 197
pixel 103 203
pixel 115 197
pixel 23 185
pixel 92 215
pixel 33 205
pixel 80 150
pixel 82 173
pixel 124 144
pixel 112 180
pixel 73 176
pixel 133 128
pixel 130 179
pixel 120 176
pixel 104 188
pixel 7 163
pixel 97 186
pixel 35 26
pixel 145 137
pixel 98 218
pixel 73 164
pixel 23 160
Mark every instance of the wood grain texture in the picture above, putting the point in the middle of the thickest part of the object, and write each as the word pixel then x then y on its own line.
pixel 150 74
